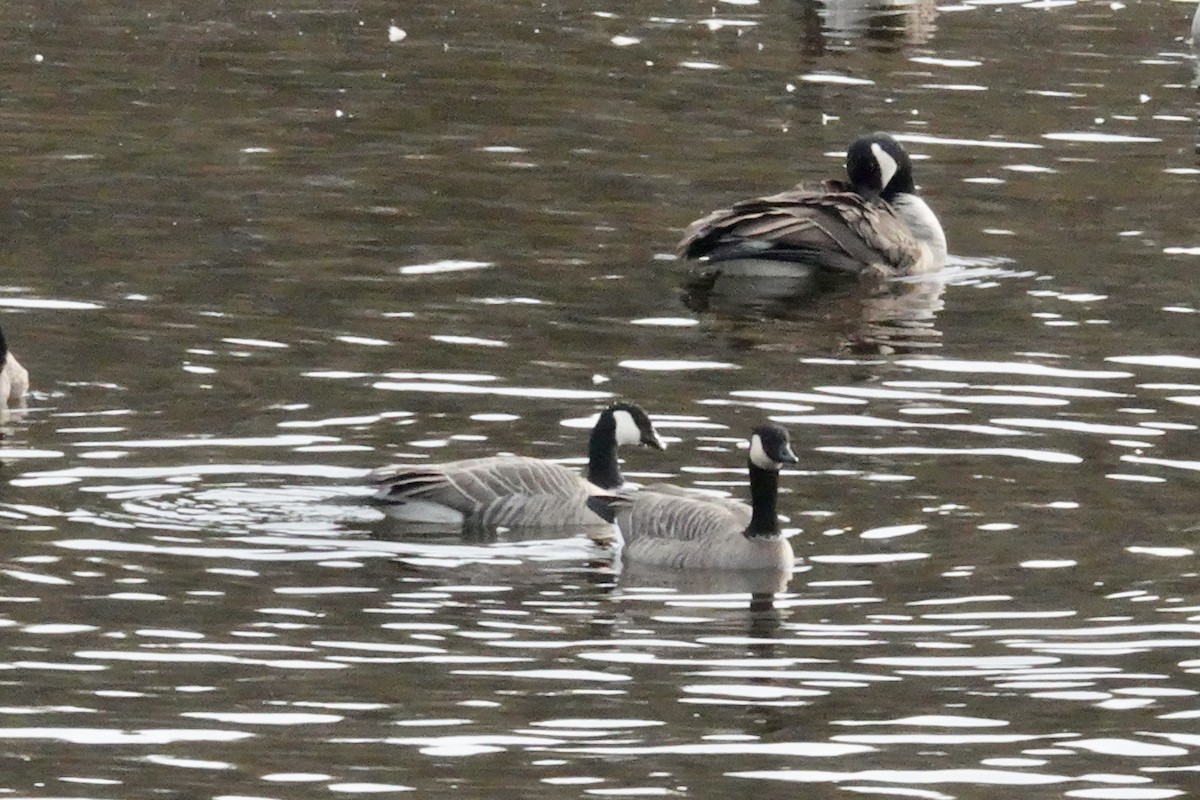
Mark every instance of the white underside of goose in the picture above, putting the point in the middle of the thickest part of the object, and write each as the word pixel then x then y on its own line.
pixel 925 227
pixel 14 383
pixel 424 511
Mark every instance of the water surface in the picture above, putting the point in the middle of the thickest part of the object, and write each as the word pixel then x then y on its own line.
pixel 251 253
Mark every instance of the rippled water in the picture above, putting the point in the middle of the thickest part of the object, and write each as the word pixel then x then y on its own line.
pixel 251 252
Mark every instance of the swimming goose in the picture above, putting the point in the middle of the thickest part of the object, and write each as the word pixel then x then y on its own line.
pixel 1196 36
pixel 515 491
pixel 14 379
pixel 666 526
pixel 874 226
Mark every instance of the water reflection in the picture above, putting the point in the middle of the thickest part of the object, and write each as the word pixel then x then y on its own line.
pixel 709 582
pixel 883 23
pixel 897 317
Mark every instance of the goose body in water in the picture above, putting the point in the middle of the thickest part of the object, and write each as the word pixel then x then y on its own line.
pixel 666 526
pixel 515 491
pixel 874 226
pixel 14 379
pixel 1196 42
pixel 1196 32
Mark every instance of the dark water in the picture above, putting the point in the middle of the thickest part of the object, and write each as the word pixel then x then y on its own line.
pixel 251 251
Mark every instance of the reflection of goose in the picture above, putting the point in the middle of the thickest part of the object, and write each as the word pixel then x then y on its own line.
pixel 874 19
pixel 14 379
pixel 711 584
pixel 897 317
pixel 798 242
pixel 756 582
pixel 666 526
pixel 514 491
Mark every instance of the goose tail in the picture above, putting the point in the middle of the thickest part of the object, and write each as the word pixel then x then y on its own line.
pixel 607 505
pixel 401 482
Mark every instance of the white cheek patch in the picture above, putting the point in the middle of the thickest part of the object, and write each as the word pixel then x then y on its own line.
pixel 887 165
pixel 758 456
pixel 627 429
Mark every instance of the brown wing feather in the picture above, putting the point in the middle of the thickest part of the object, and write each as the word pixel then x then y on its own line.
pixel 829 219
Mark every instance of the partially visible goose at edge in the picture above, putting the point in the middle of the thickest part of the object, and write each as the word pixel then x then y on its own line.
pixel 1196 32
pixel 14 379
pixel 515 491
pixel 666 526
pixel 875 226
pixel 1196 44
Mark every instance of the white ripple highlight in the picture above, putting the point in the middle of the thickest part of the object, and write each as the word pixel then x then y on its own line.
pixel 974 777
pixel 283 440
pixel 499 391
pixel 1091 137
pixel 1008 367
pixel 920 138
pixel 58 305
pixel 270 718
pixel 114 736
pixel 1170 361
pixel 669 365
pixel 448 265
pixel 1044 456
pixel 805 749
pixel 1079 427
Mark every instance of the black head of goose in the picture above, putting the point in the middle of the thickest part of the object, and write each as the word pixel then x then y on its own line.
pixel 875 225
pixel 620 423
pixel 670 527
pixel 515 491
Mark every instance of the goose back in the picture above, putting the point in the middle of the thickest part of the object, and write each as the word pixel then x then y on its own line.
pixel 830 226
pixel 499 491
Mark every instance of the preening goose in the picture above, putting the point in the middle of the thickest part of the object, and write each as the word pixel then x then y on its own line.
pixel 666 526
pixel 14 379
pixel 515 491
pixel 875 226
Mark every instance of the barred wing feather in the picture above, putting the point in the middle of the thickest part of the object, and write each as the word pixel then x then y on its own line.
pixel 831 225
pixel 497 491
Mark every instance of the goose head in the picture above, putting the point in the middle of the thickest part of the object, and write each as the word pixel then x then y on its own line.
pixel 627 423
pixel 879 167
pixel 771 448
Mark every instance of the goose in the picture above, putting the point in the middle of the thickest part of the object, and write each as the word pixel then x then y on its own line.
pixel 666 526
pixel 515 491
pixel 876 226
pixel 1196 37
pixel 14 379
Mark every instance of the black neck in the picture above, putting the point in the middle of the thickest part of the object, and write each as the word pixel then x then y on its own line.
pixel 902 183
pixel 764 488
pixel 602 468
